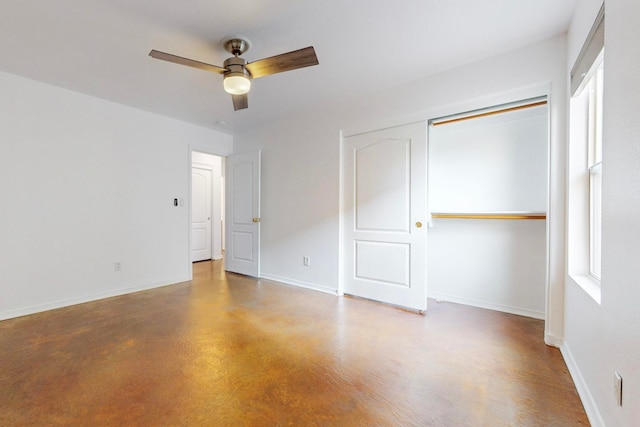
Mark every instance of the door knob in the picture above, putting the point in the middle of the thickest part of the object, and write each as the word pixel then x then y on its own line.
pixel 419 224
pixel 256 220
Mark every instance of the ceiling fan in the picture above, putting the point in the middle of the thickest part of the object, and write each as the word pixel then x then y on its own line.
pixel 238 72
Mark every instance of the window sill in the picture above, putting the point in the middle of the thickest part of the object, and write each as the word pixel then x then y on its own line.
pixel 589 285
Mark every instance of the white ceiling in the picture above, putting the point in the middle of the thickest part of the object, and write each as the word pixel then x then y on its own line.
pixel 100 47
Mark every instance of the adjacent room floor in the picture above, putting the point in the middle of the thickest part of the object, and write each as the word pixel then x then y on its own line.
pixel 228 350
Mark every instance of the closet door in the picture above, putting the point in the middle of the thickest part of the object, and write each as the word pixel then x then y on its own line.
pixel 384 239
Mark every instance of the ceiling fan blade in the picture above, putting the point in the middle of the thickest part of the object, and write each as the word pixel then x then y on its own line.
pixel 285 62
pixel 240 102
pixel 185 61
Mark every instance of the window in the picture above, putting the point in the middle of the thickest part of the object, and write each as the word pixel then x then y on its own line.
pixel 585 172
pixel 595 87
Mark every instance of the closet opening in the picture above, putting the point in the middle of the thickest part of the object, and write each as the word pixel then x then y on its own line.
pixel 488 191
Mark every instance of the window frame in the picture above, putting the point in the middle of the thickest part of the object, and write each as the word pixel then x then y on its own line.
pixel 595 86
pixel 595 221
pixel 584 163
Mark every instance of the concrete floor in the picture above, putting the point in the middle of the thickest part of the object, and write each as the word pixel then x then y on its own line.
pixel 226 350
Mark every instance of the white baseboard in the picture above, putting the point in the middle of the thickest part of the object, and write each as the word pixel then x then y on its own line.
pixel 488 305
pixel 552 340
pixel 297 283
pixel 587 399
pixel 25 311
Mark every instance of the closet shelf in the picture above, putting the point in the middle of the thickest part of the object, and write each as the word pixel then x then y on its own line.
pixel 489 215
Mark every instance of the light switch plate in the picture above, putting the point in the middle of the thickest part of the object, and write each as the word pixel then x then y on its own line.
pixel 618 388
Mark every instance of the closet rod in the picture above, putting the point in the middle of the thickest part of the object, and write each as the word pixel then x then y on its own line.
pixel 490 113
pixel 496 215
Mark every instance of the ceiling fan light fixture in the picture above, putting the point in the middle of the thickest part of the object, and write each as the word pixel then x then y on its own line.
pixel 237 73
pixel 237 83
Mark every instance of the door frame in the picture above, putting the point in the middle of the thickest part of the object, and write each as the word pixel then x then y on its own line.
pixel 190 150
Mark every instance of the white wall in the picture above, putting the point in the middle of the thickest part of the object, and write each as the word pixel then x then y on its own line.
pixel 86 183
pixel 490 164
pixel 603 338
pixel 300 180
pixel 494 264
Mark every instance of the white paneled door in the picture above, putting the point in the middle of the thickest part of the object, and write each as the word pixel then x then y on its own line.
pixel 200 214
pixel 385 215
pixel 242 217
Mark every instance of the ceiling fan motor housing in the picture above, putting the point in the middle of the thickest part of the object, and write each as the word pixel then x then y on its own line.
pixel 236 66
pixel 237 79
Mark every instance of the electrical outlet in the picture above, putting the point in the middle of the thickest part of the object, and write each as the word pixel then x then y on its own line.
pixel 117 266
pixel 306 261
pixel 618 388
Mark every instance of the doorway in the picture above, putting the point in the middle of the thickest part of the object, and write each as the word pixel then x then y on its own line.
pixel 233 213
pixel 488 202
pixel 207 206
